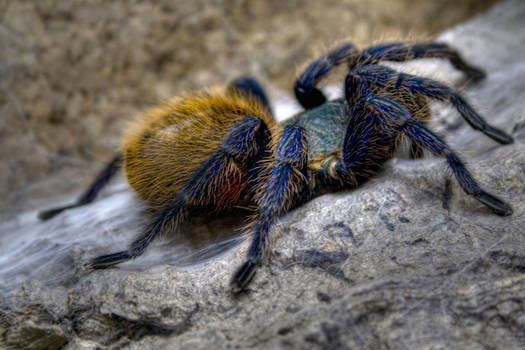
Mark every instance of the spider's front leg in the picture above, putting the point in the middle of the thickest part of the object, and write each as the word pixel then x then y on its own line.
pixel 393 118
pixel 286 182
pixel 399 52
pixel 306 92
pixel 384 77
pixel 216 183
pixel 423 136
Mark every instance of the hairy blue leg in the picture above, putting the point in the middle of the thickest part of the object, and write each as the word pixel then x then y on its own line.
pixel 356 145
pixel 369 140
pixel 287 181
pixel 385 77
pixel 305 87
pixel 400 52
pixel 245 145
pixel 393 116
pixel 423 136
pixel 89 195
pixel 251 87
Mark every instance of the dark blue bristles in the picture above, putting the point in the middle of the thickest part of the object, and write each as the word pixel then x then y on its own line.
pixel 281 191
pixel 306 92
pixel 419 133
pixel 400 52
pixel 384 77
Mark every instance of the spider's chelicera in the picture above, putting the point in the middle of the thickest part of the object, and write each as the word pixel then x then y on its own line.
pixel 221 149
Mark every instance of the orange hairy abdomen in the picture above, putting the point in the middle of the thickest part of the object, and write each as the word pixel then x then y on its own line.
pixel 166 145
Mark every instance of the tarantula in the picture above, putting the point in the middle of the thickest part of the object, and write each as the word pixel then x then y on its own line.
pixel 223 148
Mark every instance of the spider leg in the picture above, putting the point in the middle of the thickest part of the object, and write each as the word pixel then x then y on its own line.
pixel 395 118
pixel 305 87
pixel 286 183
pixel 384 77
pixel 423 136
pixel 243 147
pixel 89 195
pixel 358 139
pixel 368 141
pixel 250 87
pixel 400 52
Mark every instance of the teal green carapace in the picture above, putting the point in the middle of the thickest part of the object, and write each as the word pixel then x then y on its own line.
pixel 324 127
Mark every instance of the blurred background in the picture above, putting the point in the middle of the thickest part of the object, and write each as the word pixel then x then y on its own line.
pixel 72 73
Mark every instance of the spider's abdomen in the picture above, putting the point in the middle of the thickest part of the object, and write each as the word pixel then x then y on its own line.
pixel 165 146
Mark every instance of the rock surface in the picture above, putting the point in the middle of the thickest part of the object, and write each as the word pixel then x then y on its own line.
pixel 400 263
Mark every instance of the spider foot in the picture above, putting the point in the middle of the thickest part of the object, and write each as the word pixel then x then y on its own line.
pixel 495 204
pixel 105 261
pixel 498 135
pixel 49 213
pixel 243 276
pixel 474 75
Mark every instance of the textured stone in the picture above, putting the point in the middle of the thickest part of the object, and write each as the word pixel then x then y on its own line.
pixel 405 261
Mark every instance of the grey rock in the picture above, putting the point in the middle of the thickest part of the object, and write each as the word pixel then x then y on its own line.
pixel 397 263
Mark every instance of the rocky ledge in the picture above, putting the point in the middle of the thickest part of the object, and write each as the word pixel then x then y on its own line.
pixel 407 261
